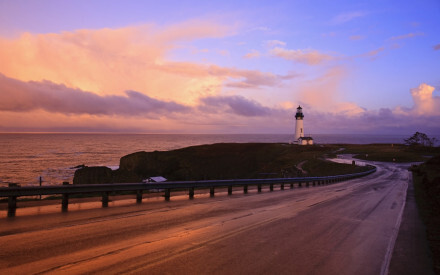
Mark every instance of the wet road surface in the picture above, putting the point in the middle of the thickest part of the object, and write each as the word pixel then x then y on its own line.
pixel 343 228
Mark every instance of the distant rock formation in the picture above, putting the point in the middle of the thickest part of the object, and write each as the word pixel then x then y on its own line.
pixel 93 175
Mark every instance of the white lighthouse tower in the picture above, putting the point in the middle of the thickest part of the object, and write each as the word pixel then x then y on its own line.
pixel 299 129
pixel 299 126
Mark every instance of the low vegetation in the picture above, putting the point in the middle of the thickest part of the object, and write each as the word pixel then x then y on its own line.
pixel 426 178
pixel 222 161
pixel 390 152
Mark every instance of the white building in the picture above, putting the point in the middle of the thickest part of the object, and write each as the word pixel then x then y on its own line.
pixel 299 129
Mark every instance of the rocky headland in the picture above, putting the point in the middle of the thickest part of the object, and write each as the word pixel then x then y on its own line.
pixel 218 161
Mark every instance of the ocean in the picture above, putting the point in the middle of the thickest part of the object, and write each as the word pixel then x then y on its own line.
pixel 24 158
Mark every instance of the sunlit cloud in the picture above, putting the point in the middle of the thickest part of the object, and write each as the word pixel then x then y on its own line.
pixel 309 57
pixel 347 16
pixel 406 36
pixel 424 101
pixel 328 34
pixel 229 77
pixel 374 53
pixel 322 92
pixel 273 43
pixel 252 54
pixel 236 104
pixel 357 37
pixel 261 28
pixel 110 61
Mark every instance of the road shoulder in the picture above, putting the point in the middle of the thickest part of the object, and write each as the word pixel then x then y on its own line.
pixel 411 254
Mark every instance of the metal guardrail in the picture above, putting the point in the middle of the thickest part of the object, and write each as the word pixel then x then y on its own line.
pixel 14 191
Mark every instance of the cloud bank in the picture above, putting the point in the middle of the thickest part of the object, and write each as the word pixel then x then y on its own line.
pixel 49 104
pixel 18 96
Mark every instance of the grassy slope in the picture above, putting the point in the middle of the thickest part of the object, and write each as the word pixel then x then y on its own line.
pixel 233 160
pixel 427 190
pixel 391 152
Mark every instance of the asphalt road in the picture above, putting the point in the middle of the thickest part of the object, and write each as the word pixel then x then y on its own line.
pixel 343 228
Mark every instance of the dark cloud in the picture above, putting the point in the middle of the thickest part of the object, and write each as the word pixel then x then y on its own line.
pixel 18 96
pixel 234 104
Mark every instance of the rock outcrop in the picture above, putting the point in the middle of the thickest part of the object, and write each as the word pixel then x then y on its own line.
pixel 93 175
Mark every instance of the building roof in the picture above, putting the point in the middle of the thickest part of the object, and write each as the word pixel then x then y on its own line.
pixel 157 179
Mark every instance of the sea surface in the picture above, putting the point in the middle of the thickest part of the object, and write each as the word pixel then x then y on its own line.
pixel 24 158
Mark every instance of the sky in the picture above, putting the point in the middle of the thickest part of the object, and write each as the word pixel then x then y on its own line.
pixel 368 67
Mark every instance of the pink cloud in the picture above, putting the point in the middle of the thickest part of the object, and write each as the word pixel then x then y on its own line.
pixel 424 101
pixel 357 37
pixel 110 61
pixel 309 57
pixel 273 43
pixel 374 53
pixel 406 36
pixel 436 47
pixel 18 96
pixel 347 16
pixel 235 104
pixel 252 54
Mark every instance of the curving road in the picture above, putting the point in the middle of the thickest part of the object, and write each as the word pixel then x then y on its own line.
pixel 344 228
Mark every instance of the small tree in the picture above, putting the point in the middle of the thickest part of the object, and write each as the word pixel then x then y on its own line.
pixel 420 139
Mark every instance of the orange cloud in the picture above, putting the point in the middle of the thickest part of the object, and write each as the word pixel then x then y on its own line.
pixel 309 57
pixel 252 54
pixel 110 61
pixel 357 37
pixel 424 101
pixel 322 92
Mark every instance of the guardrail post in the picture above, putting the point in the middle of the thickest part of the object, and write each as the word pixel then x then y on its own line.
pixel 139 196
pixel 65 200
pixel 271 187
pixel 299 184
pixel 259 188
pixel 211 191
pixel 291 185
pixel 230 190
pixel 105 199
pixel 282 186
pixel 313 183
pixel 191 192
pixel 307 184
pixel 245 189
pixel 167 194
pixel 12 202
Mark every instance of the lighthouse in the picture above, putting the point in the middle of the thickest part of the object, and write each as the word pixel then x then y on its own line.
pixel 299 129
pixel 299 126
